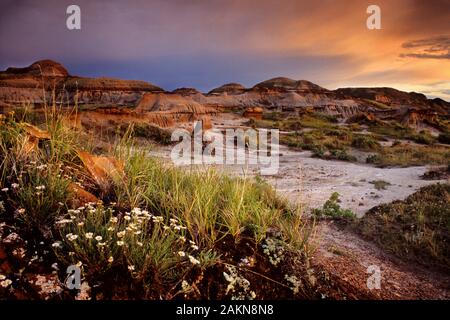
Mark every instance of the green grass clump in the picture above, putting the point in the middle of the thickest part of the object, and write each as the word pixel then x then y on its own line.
pixel 313 120
pixel 325 144
pixel 35 172
pixel 405 155
pixel 417 229
pixel 365 142
pixel 211 204
pixel 332 209
pixel 380 184
pixel 148 131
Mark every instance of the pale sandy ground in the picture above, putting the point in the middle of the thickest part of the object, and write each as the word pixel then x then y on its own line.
pixel 310 181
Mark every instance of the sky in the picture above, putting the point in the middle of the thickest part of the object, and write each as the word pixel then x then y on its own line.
pixel 206 43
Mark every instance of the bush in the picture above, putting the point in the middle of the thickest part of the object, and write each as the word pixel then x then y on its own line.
pixel 423 138
pixel 380 184
pixel 332 209
pixel 365 142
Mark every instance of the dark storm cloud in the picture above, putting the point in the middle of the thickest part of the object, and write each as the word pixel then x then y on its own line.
pixel 204 43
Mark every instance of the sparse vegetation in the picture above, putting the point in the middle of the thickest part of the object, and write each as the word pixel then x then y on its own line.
pixel 416 229
pixel 320 134
pixel 380 184
pixel 407 155
pixel 152 227
pixel 365 142
pixel 332 209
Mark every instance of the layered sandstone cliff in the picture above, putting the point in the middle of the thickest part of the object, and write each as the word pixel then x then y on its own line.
pixel 45 80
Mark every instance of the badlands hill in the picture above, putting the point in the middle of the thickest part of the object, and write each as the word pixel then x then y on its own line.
pixel 24 85
pixel 19 86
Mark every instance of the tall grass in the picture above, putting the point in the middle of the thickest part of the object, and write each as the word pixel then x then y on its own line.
pixel 158 223
pixel 210 204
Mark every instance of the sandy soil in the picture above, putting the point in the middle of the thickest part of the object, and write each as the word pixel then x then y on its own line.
pixel 311 181
pixel 347 257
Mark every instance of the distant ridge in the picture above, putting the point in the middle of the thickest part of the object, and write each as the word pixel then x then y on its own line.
pixel 280 93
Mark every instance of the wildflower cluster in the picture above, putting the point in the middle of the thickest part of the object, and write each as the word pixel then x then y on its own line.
pixel 4 283
pixel 274 250
pixel 137 241
pixel 294 281
pixel 238 285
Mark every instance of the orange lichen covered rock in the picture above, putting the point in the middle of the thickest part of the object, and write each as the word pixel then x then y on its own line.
pixel 103 170
pixel 80 196
pixel 33 135
pixel 35 132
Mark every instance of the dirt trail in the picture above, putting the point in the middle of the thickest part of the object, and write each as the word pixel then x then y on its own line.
pixel 346 256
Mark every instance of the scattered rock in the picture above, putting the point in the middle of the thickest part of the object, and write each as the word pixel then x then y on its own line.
pixel 104 170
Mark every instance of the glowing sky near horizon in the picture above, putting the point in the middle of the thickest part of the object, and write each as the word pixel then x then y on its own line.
pixel 204 43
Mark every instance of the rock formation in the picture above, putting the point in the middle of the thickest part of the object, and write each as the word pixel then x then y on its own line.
pixel 142 101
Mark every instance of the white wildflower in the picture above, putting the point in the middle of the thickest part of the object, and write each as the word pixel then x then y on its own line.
pixel 89 235
pixel 71 237
pixel 193 260
pixel 63 221
pixel 5 283
pixel 56 245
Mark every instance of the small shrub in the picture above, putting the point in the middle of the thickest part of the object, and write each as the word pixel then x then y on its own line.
pixel 342 155
pixel 332 209
pixel 380 184
pixel 364 142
